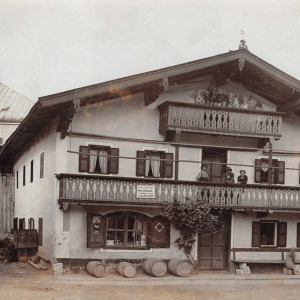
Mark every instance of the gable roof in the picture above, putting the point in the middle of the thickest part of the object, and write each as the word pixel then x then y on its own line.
pixel 14 107
pixel 278 87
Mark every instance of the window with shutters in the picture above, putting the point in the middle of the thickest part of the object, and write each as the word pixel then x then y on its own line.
pixel 262 171
pixel 22 223
pixel 127 230
pixel 269 234
pixel 99 159
pixel 157 164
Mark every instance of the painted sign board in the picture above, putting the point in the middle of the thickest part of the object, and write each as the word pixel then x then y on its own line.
pixel 145 191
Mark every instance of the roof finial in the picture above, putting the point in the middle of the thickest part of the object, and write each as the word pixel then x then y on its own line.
pixel 243 42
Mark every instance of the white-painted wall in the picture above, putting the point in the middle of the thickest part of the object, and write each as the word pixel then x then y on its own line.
pixel 241 234
pixel 37 199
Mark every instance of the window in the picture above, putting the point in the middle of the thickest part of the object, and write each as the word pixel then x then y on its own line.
pixel 31 171
pixel 22 223
pixel 40 232
pixel 269 233
pixel 24 175
pixel 15 224
pixel 262 171
pixel 98 159
pixel 17 179
pixel 154 164
pixel 31 223
pixel 42 163
pixel 127 230
pixel 298 235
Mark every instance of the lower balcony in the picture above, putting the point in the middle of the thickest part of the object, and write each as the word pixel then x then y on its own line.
pixel 91 189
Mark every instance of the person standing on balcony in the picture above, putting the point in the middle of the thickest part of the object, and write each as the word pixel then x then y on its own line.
pixel 228 176
pixel 243 178
pixel 203 176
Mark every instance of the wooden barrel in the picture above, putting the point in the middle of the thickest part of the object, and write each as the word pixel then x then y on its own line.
pixel 126 269
pixel 179 267
pixel 96 269
pixel 155 267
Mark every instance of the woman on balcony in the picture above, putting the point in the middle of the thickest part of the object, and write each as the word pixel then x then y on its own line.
pixel 203 176
pixel 228 176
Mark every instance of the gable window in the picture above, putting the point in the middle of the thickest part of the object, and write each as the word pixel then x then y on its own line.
pixel 154 164
pixel 127 230
pixel 31 171
pixel 42 163
pixel 269 233
pixel 17 179
pixel 24 175
pixel 99 159
pixel 262 171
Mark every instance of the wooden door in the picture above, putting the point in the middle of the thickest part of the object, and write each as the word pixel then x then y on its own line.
pixel 215 171
pixel 212 252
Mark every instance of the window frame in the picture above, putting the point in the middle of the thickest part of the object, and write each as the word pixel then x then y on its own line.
pixel 97 147
pixel 42 165
pixel 154 152
pixel 275 233
pixel 17 181
pixel 24 175
pixel 31 170
pixel 277 171
pixel 126 231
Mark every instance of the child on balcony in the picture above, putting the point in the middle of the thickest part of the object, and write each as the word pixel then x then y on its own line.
pixel 243 178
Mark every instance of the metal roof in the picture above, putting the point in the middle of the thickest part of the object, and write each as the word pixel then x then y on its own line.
pixel 13 106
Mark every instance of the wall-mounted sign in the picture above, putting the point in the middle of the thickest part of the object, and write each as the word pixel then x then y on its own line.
pixel 96 229
pixel 145 191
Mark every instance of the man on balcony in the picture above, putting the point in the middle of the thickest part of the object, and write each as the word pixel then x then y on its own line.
pixel 228 176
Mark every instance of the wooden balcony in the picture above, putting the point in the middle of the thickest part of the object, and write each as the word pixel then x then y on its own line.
pixel 184 117
pixel 85 189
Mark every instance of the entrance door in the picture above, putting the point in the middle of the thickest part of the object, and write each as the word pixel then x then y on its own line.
pixel 212 252
pixel 214 157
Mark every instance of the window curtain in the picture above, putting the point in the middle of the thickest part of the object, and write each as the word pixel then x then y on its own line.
pixel 98 161
pixel 153 165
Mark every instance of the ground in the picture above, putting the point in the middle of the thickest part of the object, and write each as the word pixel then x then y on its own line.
pixel 23 281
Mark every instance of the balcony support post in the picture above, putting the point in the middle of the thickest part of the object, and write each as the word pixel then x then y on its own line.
pixel 270 164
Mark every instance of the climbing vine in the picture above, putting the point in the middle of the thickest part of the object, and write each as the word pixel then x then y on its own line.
pixel 190 218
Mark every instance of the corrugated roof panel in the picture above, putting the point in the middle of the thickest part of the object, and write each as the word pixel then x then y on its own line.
pixel 13 106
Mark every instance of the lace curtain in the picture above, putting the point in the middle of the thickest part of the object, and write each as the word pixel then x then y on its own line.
pixel 98 162
pixel 153 165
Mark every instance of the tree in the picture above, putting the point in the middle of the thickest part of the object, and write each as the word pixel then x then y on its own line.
pixel 190 218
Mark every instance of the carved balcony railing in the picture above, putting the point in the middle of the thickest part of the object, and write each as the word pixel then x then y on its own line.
pixel 85 188
pixel 184 117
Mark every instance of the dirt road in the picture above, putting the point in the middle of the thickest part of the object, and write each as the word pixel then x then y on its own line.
pixel 24 282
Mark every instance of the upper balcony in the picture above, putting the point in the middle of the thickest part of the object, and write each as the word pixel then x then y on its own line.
pixel 92 189
pixel 185 117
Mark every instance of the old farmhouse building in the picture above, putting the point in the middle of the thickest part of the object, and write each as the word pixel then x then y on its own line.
pixel 93 165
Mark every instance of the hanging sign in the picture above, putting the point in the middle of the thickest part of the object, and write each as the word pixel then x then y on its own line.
pixel 145 191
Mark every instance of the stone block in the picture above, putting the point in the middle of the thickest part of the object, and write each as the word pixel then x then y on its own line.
pixel 239 272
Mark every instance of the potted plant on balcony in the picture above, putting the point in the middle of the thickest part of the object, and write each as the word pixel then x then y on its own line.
pixel 205 96
pixel 224 98
pixel 197 97
pixel 258 105
pixel 241 101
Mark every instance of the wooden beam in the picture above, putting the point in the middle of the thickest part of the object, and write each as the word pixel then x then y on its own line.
pixel 289 107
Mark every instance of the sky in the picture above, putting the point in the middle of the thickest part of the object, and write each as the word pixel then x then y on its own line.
pixel 53 46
